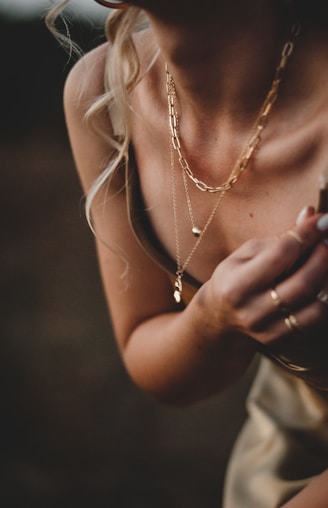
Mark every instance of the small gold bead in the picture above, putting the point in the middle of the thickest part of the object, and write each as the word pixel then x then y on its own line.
pixel 196 231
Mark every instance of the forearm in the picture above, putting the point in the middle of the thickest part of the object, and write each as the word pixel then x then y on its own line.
pixel 179 358
pixel 183 356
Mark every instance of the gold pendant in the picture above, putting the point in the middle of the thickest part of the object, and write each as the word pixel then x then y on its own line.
pixel 196 231
pixel 178 288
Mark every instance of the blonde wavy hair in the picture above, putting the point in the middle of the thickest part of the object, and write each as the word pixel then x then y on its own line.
pixel 122 73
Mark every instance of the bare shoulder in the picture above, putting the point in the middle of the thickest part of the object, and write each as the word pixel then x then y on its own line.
pixel 85 80
pixel 84 84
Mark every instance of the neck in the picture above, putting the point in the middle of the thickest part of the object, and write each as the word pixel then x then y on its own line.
pixel 222 57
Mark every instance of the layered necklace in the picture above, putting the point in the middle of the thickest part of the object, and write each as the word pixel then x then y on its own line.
pixel 238 169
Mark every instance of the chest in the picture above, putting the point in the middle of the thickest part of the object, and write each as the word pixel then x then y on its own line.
pixel 265 201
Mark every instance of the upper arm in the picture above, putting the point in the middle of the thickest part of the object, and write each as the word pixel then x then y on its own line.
pixel 135 287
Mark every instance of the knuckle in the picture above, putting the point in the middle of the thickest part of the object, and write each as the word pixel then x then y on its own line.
pixel 254 246
pixel 252 320
pixel 230 294
pixel 249 321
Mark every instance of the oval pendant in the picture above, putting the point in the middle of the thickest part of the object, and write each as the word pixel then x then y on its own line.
pixel 196 231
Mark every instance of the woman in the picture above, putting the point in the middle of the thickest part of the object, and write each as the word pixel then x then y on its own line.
pixel 198 139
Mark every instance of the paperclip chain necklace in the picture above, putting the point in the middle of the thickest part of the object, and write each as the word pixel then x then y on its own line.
pixel 239 167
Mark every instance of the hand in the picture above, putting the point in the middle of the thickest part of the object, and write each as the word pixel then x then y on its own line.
pixel 295 265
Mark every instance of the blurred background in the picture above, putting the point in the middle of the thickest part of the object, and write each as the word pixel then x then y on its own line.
pixel 75 431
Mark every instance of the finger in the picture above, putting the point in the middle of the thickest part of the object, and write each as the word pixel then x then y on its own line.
pixel 305 213
pixel 266 313
pixel 322 296
pixel 271 259
pixel 303 330
pixel 306 281
pixel 294 246
pixel 296 332
pixel 308 231
pixel 314 317
pixel 262 263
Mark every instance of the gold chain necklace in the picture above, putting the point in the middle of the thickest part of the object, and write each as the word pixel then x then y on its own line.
pixel 239 167
pixel 257 130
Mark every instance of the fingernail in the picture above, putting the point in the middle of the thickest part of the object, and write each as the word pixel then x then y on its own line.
pixel 303 213
pixel 322 223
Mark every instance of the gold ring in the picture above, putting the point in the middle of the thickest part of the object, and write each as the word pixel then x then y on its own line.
pixel 322 297
pixel 293 325
pixel 295 236
pixel 278 303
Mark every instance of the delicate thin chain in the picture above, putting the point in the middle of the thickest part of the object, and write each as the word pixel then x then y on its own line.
pixel 257 130
pixel 182 267
pixel 196 231
pixel 238 169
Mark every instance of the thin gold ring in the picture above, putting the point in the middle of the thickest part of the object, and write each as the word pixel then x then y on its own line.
pixel 293 325
pixel 323 297
pixel 296 236
pixel 278 303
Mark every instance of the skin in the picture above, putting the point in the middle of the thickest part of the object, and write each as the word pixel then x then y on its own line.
pixel 184 356
pixel 315 495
